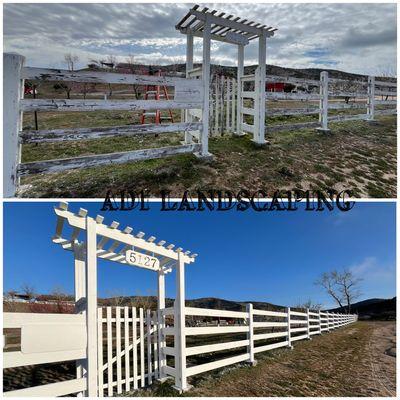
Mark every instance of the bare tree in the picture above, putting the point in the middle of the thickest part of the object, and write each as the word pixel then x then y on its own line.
pixel 343 287
pixel 28 291
pixel 310 305
pixel 70 59
pixel 130 63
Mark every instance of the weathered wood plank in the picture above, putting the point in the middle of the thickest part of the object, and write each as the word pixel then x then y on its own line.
pixel 292 111
pixel 291 79
pixel 348 117
pixel 292 96
pixel 96 105
pixel 387 84
pixel 340 106
pixel 61 135
pixel 49 166
pixel 47 74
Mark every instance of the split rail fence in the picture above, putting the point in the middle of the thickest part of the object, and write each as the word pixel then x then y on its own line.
pixel 188 94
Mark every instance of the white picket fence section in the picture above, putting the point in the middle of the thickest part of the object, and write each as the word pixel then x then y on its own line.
pixel 188 94
pixel 127 349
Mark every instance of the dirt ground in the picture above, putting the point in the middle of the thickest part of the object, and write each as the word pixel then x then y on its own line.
pixel 358 360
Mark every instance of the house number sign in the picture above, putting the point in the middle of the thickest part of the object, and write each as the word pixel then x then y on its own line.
pixel 142 260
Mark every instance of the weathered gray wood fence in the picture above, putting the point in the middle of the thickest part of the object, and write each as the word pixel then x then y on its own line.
pixel 188 94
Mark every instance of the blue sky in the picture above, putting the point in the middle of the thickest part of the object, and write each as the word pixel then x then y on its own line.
pixel 269 256
pixel 353 37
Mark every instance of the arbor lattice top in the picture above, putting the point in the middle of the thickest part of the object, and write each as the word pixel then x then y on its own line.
pixel 113 243
pixel 228 28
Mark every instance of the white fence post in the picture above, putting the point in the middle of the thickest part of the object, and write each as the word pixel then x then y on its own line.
pixel 289 338
pixel 323 102
pixel 91 306
pixel 250 318
pixel 259 133
pixel 371 99
pixel 240 72
pixel 206 89
pixel 179 327
pixel 319 322
pixel 308 324
pixel 13 90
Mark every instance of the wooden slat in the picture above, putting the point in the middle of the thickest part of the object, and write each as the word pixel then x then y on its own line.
pixel 270 313
pixel 51 389
pixel 205 312
pixel 51 105
pixel 134 353
pixel 209 348
pixel 267 347
pixel 155 345
pixel 65 164
pixel 149 349
pixel 15 359
pixel 118 349
pixel 291 96
pixel 264 336
pixel 62 135
pixel 109 353
pixel 210 330
pixel 100 360
pixel 269 324
pixel 294 338
pixel 103 77
pixel 198 369
pixel 126 347
pixel 141 322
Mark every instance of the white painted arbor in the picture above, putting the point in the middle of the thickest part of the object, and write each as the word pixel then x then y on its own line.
pixel 124 247
pixel 211 25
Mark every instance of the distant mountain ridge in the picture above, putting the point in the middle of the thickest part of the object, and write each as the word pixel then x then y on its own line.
pixel 366 309
pixel 306 73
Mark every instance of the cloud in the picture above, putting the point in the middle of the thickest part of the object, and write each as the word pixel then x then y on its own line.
pixel 371 270
pixel 309 35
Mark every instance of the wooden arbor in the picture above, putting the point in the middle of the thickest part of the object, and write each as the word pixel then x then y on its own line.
pixel 211 25
pixel 89 239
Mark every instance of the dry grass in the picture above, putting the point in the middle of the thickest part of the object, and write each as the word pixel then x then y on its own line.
pixel 352 361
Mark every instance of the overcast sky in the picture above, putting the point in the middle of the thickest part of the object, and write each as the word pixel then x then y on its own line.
pixel 358 38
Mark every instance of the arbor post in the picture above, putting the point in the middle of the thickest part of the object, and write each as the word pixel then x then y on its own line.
pixel 240 73
pixel 189 67
pixel 91 306
pixel 179 327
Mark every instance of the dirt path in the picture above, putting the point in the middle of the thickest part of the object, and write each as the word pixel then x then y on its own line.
pixel 358 360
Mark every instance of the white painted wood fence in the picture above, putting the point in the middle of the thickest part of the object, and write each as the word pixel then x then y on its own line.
pixel 128 356
pixel 263 330
pixel 131 343
pixel 325 94
pixel 188 94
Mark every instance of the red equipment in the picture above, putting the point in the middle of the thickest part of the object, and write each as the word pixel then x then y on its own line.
pixel 158 92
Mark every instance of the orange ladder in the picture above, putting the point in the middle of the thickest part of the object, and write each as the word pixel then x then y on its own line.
pixel 157 92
